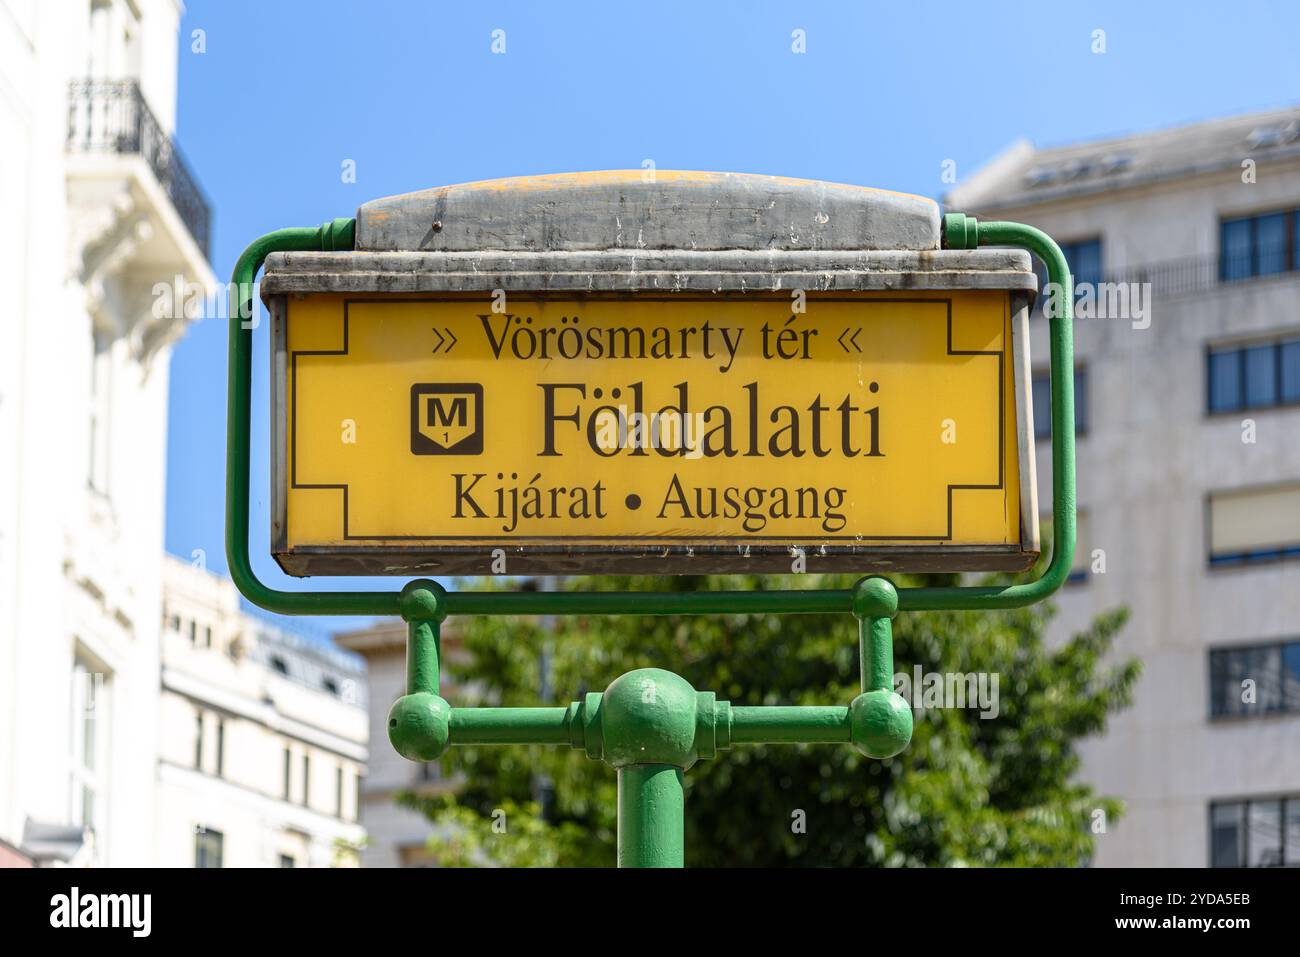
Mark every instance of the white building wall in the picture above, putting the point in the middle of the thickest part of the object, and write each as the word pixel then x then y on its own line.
pixel 219 671
pixel 79 568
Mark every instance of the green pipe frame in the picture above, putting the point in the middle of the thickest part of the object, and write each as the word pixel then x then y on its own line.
pixel 650 725
pixel 960 231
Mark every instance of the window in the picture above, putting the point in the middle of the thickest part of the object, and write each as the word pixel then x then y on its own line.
pixel 89 737
pixel 194 632
pixel 198 741
pixel 1258 245
pixel 288 771
pixel 1253 376
pixel 338 791
pixel 286 860
pixel 1273 673
pixel 331 686
pixel 1255 833
pixel 221 748
pixel 306 780
pixel 207 636
pixel 1041 388
pixel 207 847
pixel 1084 259
pixel 280 665
pixel 1254 525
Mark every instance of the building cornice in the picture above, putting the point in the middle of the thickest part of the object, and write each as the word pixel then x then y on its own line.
pixel 263 713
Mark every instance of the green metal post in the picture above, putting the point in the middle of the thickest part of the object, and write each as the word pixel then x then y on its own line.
pixel 651 816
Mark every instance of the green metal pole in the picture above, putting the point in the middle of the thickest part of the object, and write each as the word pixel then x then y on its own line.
pixel 423 656
pixel 651 815
pixel 510 725
pixel 790 724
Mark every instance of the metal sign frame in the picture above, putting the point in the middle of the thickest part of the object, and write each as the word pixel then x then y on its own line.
pixel 960 232
pixel 649 724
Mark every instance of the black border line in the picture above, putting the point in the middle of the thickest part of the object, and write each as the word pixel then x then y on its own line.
pixel 860 540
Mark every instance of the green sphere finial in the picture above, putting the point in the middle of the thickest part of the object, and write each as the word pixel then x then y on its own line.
pixel 419 726
pixel 875 598
pixel 422 600
pixel 880 723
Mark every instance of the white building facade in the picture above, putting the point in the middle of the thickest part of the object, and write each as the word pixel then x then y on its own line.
pixel 396 836
pixel 1188 468
pixel 99 208
pixel 262 737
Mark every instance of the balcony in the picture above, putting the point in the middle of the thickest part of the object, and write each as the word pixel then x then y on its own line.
pixel 111 117
pixel 138 224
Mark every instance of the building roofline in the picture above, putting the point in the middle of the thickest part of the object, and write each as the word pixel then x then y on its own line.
pixel 1140 159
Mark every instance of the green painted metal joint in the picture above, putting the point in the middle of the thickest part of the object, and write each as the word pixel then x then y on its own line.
pixel 875 598
pixel 880 720
pixel 422 600
pixel 651 716
pixel 648 716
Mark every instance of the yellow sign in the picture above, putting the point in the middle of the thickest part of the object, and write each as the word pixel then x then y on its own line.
pixel 687 433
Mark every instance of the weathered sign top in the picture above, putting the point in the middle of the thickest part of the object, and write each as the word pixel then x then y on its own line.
pixel 640 230
pixel 644 209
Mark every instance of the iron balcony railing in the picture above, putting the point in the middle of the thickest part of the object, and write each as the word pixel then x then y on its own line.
pixel 1182 277
pixel 1174 278
pixel 111 116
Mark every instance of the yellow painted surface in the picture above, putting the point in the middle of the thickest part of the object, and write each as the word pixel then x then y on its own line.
pixel 818 443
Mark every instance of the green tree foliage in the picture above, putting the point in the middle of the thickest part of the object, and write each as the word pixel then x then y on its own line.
pixel 968 791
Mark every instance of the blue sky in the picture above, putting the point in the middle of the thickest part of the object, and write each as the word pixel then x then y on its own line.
pixel 287 90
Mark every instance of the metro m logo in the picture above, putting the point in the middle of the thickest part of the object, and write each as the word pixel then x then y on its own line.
pixel 447 418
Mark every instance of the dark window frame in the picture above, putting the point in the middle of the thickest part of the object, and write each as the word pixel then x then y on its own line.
pixel 221 747
pixel 1070 249
pixel 1284 801
pixel 203 848
pixel 1082 401
pixel 1284 707
pixel 1239 350
pixel 1291 259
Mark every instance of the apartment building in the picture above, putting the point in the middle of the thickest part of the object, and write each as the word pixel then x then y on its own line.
pixel 262 736
pixel 99 207
pixel 1188 466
